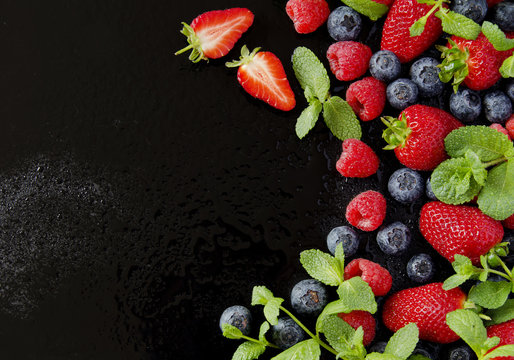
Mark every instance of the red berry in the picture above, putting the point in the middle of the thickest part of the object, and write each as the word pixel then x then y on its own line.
pixel 367 97
pixel 509 125
pixel 500 128
pixel 357 160
pixel 307 15
pixel 509 222
pixel 367 210
pixel 387 3
pixel 378 278
pixel 348 59
pixel 505 331
pixel 459 229
pixel 491 3
pixel 360 318
pixel 426 306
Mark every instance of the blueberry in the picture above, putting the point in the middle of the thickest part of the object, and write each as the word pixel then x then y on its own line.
pixel 497 107
pixel 394 238
pixel 509 90
pixel 406 185
pixel 378 347
pixel 429 192
pixel 420 268
pixel 237 316
pixel 509 238
pixel 503 16
pixel 421 351
pixel 344 24
pixel 345 235
pixel 462 352
pixel 308 297
pixel 473 9
pixel 286 333
pixel 384 66
pixel 402 93
pixel 425 74
pixel 466 105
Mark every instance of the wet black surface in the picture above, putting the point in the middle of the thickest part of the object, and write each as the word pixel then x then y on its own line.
pixel 140 194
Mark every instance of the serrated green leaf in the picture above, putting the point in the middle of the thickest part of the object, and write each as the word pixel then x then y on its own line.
pixel 305 350
pixel 308 118
pixel 339 255
pixel 507 68
pixel 417 28
pixel 311 74
pixel 502 314
pixel 356 294
pixel 248 351
pixel 272 310
pixel 265 326
pixel 340 119
pixel 231 332
pixel 491 342
pixel 403 342
pixel 497 37
pixel 505 350
pixel 459 25
pixel 478 171
pixel 357 339
pixel 368 8
pixel 455 281
pixel 337 332
pixel 469 327
pixel 379 356
pixel 322 267
pixel 490 294
pixel 497 197
pixel 261 295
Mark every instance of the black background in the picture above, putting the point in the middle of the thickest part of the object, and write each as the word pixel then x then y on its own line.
pixel 142 194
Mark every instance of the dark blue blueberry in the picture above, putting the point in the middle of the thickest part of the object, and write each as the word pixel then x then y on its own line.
pixel 503 15
pixel 402 93
pixel 420 268
pixel 384 66
pixel 509 90
pixel 286 333
pixel 429 192
pixel 462 352
pixel 466 105
pixel 344 24
pixel 425 74
pixel 394 238
pixel 421 351
pixel 406 185
pixel 473 9
pixel 378 347
pixel 345 235
pixel 237 316
pixel 308 297
pixel 497 107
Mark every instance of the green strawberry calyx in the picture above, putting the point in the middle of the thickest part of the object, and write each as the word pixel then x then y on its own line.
pixel 194 45
pixel 246 57
pixel 454 64
pixel 397 131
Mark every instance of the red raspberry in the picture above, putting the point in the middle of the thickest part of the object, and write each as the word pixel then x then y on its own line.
pixel 375 275
pixel 367 97
pixel 367 210
pixel 359 318
pixel 500 128
pixel 307 15
pixel 509 125
pixel 509 222
pixel 348 59
pixel 357 160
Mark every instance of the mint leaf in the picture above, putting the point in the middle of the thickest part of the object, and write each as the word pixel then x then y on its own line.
pixel 457 24
pixel 477 168
pixel 265 326
pixel 341 119
pixel 469 327
pixel 417 28
pixel 496 37
pixel 272 309
pixel 454 281
pixel 403 342
pixel 339 255
pixel 261 295
pixel 497 197
pixel 490 294
pixel 507 68
pixel 308 118
pixel 248 350
pixel 231 332
pixel 311 74
pixel 505 350
pixel 491 342
pixel 418 357
pixel 368 8
pixel 305 350
pixel 337 332
pixel 355 294
pixel 322 267
pixel 464 270
pixel 379 356
pixel 502 314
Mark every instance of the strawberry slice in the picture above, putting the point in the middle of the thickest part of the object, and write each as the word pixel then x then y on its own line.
pixel 213 34
pixel 262 75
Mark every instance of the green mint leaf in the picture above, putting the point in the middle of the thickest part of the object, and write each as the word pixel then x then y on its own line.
pixel 507 68
pixel 305 350
pixel 455 281
pixel 322 267
pixel 311 74
pixel 339 255
pixel 231 332
pixel 261 295
pixel 505 350
pixel 497 197
pixel 417 28
pixel 357 341
pixel 464 270
pixel 341 119
pixel 368 8
pixel 379 356
pixel 308 118
pixel 337 332
pixel 418 357
pixel 355 294
pixel 477 168
pixel 489 144
pixel 502 314
pixel 490 294
pixel 469 327
pixel 272 309
pixel 457 24
pixel 403 342
pixel 248 350
pixel 265 326
pixel 497 37
pixel 491 342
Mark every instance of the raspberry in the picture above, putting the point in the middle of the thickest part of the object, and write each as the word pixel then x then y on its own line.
pixel 367 98
pixel 307 15
pixel 367 210
pixel 348 59
pixel 357 160
pixel 359 318
pixel 378 278
pixel 500 128
pixel 509 125
pixel 509 222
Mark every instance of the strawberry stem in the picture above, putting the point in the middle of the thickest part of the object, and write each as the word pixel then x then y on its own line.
pixel 194 44
pixel 397 131
pixel 245 58
pixel 190 46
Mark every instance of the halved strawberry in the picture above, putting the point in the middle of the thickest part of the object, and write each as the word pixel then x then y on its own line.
pixel 262 75
pixel 213 34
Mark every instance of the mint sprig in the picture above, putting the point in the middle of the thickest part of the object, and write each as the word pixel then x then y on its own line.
pixel 497 37
pixel 507 68
pixel 368 8
pixel 502 314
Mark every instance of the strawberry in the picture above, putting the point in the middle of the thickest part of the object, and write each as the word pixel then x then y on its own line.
pixel 348 59
pixel 387 3
pixel 459 229
pixel 395 33
pixel 367 97
pixel 500 128
pixel 505 331
pixel 213 34
pixel 426 306
pixel 307 15
pixel 509 222
pixel 262 75
pixel 367 210
pixel 357 160
pixel 417 137
pixel 360 318
pixel 378 278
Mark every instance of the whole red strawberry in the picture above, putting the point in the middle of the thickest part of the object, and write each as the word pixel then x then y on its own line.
pixel 396 35
pixel 505 331
pixel 459 229
pixel 367 97
pixel 417 137
pixel 357 160
pixel 378 278
pixel 426 306
pixel 307 15
pixel 367 210
pixel 359 318
pixel 348 59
